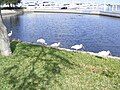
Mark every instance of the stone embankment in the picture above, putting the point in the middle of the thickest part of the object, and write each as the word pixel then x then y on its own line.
pixel 11 12
pixel 103 13
pixel 91 53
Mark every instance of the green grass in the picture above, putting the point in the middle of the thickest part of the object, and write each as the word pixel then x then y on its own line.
pixel 43 68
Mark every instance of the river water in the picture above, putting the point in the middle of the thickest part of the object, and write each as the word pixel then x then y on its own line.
pixel 96 33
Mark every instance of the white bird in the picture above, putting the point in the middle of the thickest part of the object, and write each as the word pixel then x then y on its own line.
pixel 55 44
pixel 77 47
pixel 104 53
pixel 42 41
pixel 10 34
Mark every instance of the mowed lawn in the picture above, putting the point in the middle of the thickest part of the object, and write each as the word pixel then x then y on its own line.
pixel 33 67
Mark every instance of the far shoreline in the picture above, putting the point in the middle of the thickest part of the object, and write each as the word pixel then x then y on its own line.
pixel 101 13
pixel 21 11
pixel 7 13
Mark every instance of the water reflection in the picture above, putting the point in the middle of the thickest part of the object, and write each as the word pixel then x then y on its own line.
pixel 96 33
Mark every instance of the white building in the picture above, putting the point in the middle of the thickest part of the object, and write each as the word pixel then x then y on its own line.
pixel 38 4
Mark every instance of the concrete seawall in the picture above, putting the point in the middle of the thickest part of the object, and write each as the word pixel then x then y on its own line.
pixel 110 14
pixel 11 12
pixel 103 13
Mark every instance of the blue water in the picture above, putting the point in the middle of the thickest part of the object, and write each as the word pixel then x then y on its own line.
pixel 96 33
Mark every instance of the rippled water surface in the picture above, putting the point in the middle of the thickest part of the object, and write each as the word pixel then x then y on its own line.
pixel 96 33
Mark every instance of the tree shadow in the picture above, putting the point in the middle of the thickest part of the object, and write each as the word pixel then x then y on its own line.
pixel 48 74
pixel 13 45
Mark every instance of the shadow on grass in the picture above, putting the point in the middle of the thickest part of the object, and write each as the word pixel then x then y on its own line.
pixel 99 57
pixel 30 80
pixel 13 45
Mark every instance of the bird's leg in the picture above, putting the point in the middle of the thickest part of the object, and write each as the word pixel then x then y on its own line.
pixel 83 48
pixel 110 54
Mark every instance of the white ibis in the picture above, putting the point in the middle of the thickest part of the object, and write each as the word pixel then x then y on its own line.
pixel 55 44
pixel 42 41
pixel 104 53
pixel 10 34
pixel 77 47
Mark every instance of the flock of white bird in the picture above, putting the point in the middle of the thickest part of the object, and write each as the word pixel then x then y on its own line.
pixel 76 47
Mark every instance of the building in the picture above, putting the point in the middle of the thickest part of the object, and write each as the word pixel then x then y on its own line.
pixel 38 4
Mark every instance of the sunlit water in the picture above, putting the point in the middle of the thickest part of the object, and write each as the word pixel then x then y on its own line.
pixel 96 33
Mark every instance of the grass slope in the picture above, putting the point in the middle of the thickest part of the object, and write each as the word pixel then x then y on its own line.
pixel 41 68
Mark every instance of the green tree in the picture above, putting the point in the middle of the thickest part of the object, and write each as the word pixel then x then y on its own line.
pixel 12 2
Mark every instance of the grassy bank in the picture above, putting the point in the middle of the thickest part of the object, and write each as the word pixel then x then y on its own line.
pixel 39 68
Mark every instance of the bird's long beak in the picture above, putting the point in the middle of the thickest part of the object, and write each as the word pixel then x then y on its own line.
pixel 60 44
pixel 83 47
